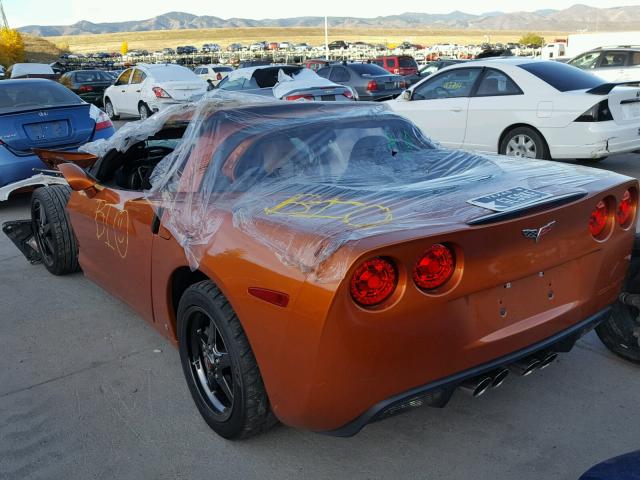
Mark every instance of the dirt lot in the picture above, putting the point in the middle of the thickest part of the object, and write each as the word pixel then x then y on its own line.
pixel 157 40
pixel 89 391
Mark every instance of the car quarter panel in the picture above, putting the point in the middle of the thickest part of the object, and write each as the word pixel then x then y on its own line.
pixel 365 356
pixel 114 235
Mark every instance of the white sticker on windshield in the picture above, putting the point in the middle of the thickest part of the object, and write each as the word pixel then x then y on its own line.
pixel 509 199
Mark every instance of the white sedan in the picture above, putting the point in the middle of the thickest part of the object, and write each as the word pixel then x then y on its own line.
pixel 524 107
pixel 145 89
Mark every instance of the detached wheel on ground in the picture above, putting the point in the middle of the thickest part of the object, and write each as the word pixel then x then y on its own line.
pixel 108 108
pixel 52 230
pixel 144 111
pixel 219 365
pixel 619 332
pixel 524 142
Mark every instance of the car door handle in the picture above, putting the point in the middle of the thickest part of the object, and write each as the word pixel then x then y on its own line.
pixel 137 91
pixel 456 109
pixel 122 91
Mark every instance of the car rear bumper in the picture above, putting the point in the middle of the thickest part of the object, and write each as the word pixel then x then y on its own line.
pixel 438 393
pixel 592 140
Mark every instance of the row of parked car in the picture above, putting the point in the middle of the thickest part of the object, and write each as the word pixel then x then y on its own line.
pixel 513 106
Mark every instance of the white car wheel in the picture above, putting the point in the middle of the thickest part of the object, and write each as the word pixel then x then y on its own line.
pixel 143 111
pixel 521 146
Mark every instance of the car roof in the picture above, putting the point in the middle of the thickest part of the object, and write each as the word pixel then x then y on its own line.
pixel 626 48
pixel 28 81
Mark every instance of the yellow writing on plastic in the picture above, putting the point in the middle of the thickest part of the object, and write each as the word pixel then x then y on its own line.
pixel 353 213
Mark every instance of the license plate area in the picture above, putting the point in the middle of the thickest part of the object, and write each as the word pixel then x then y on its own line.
pixel 631 111
pixel 47 130
pixel 526 298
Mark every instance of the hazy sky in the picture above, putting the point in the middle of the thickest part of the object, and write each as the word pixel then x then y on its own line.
pixel 65 12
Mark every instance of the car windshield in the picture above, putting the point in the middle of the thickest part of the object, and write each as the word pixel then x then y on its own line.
pixel 173 74
pixel 368 69
pixel 22 95
pixel 561 76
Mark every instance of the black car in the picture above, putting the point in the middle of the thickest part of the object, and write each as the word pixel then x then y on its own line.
pixel 370 81
pixel 89 85
pixel 337 45
pixel 186 50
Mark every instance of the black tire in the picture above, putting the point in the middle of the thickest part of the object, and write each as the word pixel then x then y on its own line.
pixel 590 160
pixel 108 108
pixel 537 141
pixel 52 230
pixel 144 111
pixel 617 332
pixel 207 321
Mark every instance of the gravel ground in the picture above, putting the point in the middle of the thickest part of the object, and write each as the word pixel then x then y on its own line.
pixel 89 391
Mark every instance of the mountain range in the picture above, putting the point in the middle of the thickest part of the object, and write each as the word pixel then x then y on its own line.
pixel 577 17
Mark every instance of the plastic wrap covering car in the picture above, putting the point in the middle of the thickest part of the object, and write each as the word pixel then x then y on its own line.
pixel 305 79
pixel 133 132
pixel 309 178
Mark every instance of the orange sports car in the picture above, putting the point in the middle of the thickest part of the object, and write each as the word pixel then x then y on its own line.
pixel 326 265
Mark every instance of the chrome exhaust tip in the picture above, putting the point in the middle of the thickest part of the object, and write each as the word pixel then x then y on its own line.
pixel 498 377
pixel 547 359
pixel 476 386
pixel 525 366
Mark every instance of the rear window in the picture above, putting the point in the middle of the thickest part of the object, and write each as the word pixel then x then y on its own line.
pixel 408 62
pixel 16 97
pixel 172 73
pixel 222 69
pixel 367 69
pixel 268 77
pixel 92 76
pixel 562 77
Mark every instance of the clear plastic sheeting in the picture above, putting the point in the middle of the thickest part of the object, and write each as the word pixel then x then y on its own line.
pixel 309 178
pixel 305 79
pixel 133 132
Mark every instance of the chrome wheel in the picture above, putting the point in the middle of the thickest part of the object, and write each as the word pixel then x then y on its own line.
pixel 143 111
pixel 109 109
pixel 522 146
pixel 210 363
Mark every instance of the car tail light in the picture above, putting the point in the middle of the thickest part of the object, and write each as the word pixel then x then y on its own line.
pixel 396 71
pixel 373 281
pixel 626 209
pixel 598 113
pixel 299 97
pixel 348 94
pixel 85 88
pixel 599 219
pixel 219 76
pixel 372 86
pixel 160 92
pixel 435 267
pixel 102 119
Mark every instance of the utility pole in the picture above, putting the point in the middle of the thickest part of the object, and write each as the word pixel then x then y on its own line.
pixel 4 17
pixel 326 36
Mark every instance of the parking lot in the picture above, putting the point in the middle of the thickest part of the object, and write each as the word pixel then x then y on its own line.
pixel 89 391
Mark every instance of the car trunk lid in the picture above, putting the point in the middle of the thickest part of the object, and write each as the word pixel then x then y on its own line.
pixel 624 103
pixel 183 90
pixel 59 127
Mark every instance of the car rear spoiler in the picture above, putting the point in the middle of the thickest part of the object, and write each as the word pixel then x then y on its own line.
pixel 605 88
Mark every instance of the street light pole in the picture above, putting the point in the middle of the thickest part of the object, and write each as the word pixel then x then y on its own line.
pixel 326 37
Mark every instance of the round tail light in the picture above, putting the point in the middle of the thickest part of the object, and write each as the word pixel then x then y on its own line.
pixel 435 267
pixel 599 219
pixel 626 210
pixel 373 281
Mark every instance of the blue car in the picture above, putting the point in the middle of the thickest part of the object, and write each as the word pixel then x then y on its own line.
pixel 624 467
pixel 38 113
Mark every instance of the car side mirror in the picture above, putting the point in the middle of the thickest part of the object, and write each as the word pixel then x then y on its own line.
pixel 407 95
pixel 78 179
